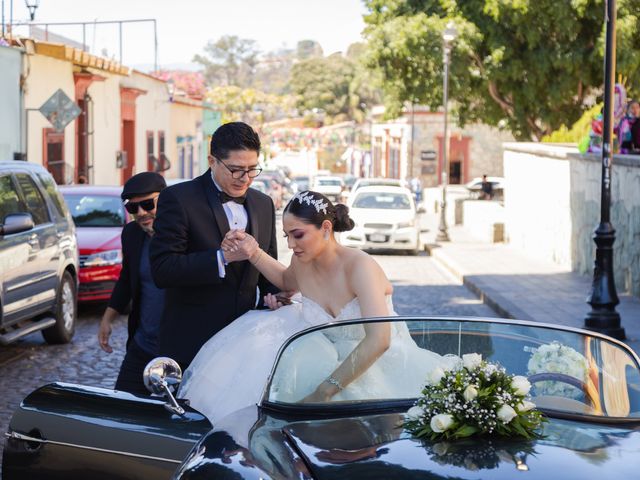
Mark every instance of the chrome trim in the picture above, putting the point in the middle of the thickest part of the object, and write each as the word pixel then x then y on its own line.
pixel 504 321
pixel 30 301
pixel 39 278
pixel 27 438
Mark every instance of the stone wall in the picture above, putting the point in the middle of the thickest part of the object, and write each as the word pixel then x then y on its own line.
pixel 552 204
pixel 586 171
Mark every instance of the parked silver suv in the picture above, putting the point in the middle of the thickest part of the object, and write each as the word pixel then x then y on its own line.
pixel 38 256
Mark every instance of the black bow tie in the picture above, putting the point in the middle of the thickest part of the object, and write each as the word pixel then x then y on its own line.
pixel 224 198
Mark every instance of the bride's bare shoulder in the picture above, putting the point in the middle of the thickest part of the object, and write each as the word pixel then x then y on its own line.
pixel 357 259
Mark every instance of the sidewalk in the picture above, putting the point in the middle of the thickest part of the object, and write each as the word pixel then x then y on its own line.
pixel 520 287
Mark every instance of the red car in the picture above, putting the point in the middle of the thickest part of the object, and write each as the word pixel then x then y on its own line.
pixel 99 216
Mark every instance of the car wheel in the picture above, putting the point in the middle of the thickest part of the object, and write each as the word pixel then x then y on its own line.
pixel 66 311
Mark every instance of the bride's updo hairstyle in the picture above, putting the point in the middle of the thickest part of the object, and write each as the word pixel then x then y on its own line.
pixel 314 208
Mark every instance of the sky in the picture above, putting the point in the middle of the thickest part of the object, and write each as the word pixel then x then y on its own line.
pixel 185 26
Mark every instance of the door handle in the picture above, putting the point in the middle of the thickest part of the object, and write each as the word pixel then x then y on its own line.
pixel 33 240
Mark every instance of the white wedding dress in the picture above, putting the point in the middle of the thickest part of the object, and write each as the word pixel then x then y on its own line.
pixel 230 371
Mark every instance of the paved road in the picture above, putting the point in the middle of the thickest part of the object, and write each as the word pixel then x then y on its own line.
pixel 420 287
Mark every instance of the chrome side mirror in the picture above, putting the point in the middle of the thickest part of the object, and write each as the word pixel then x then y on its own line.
pixel 162 376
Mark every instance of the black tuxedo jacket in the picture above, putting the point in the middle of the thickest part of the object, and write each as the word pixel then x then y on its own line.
pixel 189 227
pixel 127 288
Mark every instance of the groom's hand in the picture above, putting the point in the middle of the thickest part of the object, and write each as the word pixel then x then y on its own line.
pixel 241 249
pixel 232 239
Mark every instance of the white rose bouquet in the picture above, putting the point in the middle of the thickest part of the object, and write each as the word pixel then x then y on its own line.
pixel 473 397
pixel 555 357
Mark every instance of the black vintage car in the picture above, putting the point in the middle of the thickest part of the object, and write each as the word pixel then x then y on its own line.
pixel 586 384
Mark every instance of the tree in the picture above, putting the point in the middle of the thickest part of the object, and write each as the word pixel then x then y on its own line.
pixel 528 66
pixel 323 84
pixel 249 105
pixel 306 49
pixel 337 85
pixel 230 61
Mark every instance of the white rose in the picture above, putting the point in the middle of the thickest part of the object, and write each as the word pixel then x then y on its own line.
pixel 526 405
pixel 471 360
pixel 451 362
pixel 521 385
pixel 414 413
pixel 470 393
pixel 435 376
pixel 440 423
pixel 506 413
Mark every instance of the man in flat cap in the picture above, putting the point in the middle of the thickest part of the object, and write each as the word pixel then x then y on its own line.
pixel 135 285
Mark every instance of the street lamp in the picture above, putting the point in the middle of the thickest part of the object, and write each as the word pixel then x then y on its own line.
pixel 448 36
pixel 603 298
pixel 32 5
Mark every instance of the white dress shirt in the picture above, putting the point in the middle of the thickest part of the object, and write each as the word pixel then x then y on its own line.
pixel 237 217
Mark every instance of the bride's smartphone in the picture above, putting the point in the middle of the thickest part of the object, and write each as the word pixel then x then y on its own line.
pixel 284 300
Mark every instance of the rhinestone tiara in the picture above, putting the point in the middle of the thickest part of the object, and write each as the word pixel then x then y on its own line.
pixel 307 197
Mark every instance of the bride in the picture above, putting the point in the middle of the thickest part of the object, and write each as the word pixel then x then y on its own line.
pixel 336 283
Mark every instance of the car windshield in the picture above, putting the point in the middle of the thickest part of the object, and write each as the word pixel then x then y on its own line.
pixel 375 183
pixel 90 210
pixel 569 371
pixel 382 200
pixel 328 182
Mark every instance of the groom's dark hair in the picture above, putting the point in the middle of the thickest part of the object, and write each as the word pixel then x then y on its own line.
pixel 234 136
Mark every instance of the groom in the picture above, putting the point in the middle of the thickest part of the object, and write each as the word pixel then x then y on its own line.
pixel 205 289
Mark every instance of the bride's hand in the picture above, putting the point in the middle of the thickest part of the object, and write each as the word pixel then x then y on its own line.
pixel 322 394
pixel 232 240
pixel 278 300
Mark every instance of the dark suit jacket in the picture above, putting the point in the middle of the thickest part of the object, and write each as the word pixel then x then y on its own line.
pixel 189 227
pixel 127 288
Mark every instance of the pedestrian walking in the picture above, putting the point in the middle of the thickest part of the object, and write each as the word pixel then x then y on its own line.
pixel 135 287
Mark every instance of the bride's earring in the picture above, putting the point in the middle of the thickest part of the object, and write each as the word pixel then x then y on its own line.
pixel 326 234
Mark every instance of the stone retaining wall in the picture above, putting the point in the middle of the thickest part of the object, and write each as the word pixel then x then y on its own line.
pixel 552 207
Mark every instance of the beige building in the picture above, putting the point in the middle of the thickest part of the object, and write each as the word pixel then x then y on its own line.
pixel 128 121
pixel 412 145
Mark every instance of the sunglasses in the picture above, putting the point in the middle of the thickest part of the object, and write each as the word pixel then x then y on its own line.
pixel 147 205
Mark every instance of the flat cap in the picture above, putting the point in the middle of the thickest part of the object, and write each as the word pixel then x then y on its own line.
pixel 142 184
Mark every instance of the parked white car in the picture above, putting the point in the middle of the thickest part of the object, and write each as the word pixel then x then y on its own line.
pixel 385 218
pixel 377 182
pixel 331 187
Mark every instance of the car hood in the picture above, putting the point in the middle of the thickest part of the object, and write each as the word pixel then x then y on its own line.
pixel 376 447
pixel 375 215
pixel 98 238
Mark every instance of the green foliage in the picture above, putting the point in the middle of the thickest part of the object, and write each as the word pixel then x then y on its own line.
pixel 248 85
pixel 524 65
pixel 323 83
pixel 249 105
pixel 308 49
pixel 230 61
pixel 578 131
pixel 337 86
